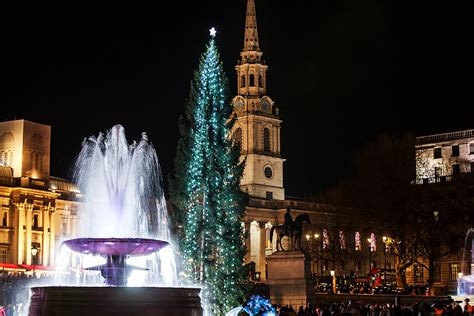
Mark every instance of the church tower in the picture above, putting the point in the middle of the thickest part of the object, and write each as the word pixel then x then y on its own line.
pixel 257 128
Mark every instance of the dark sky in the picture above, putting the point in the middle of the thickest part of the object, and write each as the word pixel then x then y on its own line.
pixel 340 71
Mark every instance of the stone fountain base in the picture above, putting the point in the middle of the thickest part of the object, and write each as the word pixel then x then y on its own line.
pixel 130 301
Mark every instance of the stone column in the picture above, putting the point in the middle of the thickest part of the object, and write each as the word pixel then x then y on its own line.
pixel 19 235
pixel 52 235
pixel 261 253
pixel 28 224
pixel 247 242
pixel 45 243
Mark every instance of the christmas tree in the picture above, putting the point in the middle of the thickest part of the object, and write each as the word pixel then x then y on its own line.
pixel 208 204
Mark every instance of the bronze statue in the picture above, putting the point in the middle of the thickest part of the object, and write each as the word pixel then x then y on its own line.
pixel 295 232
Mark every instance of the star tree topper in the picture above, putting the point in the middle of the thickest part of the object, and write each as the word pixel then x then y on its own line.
pixel 213 32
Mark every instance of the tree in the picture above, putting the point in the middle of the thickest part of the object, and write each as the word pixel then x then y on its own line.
pixel 205 190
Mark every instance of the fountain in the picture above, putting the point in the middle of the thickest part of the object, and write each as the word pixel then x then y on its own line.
pixel 466 278
pixel 123 219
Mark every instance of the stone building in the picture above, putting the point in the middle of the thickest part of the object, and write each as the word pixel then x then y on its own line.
pixel 444 157
pixel 37 210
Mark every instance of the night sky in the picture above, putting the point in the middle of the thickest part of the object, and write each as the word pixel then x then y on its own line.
pixel 340 71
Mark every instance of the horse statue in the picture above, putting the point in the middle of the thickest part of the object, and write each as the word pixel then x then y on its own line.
pixel 296 232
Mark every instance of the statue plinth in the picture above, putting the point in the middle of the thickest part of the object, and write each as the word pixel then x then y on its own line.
pixel 289 278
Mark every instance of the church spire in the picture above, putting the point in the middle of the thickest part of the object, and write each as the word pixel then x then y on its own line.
pixel 251 33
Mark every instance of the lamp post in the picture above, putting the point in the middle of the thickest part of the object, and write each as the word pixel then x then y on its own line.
pixel 320 253
pixel 385 239
pixel 369 240
pixel 34 252
pixel 333 274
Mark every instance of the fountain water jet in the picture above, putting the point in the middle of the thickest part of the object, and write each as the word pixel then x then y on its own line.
pixel 123 215
pixel 466 276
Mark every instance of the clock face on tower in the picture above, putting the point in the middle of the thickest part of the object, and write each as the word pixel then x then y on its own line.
pixel 268 172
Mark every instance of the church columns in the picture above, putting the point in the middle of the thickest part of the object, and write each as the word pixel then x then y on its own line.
pixel 28 239
pixel 261 254
pixel 45 241
pixel 52 235
pixel 247 242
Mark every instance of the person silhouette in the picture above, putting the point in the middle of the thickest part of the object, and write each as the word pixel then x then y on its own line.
pixel 288 224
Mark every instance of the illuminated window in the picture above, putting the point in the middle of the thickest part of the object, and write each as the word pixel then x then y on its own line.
pixel 453 271
pixel 437 153
pixel 342 240
pixel 455 151
pixel 325 239
pixel 357 242
pixel 252 80
pixel 238 138
pixel 266 139
pixel 417 273
pixel 373 242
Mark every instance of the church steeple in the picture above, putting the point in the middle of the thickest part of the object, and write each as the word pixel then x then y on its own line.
pixel 257 128
pixel 251 33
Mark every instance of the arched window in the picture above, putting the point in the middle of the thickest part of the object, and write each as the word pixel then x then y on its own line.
pixel 242 82
pixel 342 240
pixel 325 239
pixel 266 139
pixel 252 80
pixel 373 242
pixel 357 242
pixel 238 138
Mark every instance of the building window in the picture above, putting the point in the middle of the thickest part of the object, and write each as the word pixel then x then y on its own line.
pixel 242 82
pixel 325 239
pixel 5 219
pixel 252 80
pixel 266 139
pixel 35 221
pixel 417 274
pixel 357 242
pixel 3 256
pixel 471 148
pixel 456 169
pixel 238 138
pixel 342 240
pixel 437 172
pixel 437 153
pixel 453 271
pixel 455 151
pixel 437 272
pixel 472 166
pixel 269 195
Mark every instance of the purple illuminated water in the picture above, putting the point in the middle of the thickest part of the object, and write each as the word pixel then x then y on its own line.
pixel 123 229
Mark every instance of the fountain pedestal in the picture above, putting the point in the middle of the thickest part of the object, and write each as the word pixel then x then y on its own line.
pixel 127 301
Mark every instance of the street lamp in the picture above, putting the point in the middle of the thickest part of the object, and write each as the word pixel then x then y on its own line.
pixel 369 240
pixel 333 274
pixel 34 252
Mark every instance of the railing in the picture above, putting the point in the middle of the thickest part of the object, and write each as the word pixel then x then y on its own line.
pixel 441 179
pixel 444 137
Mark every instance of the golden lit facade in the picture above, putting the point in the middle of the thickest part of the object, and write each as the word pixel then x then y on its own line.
pixel 37 210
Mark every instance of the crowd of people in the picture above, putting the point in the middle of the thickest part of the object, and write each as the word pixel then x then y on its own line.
pixel 14 291
pixel 438 308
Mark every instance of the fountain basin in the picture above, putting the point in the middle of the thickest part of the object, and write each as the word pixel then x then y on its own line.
pixel 115 246
pixel 130 301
